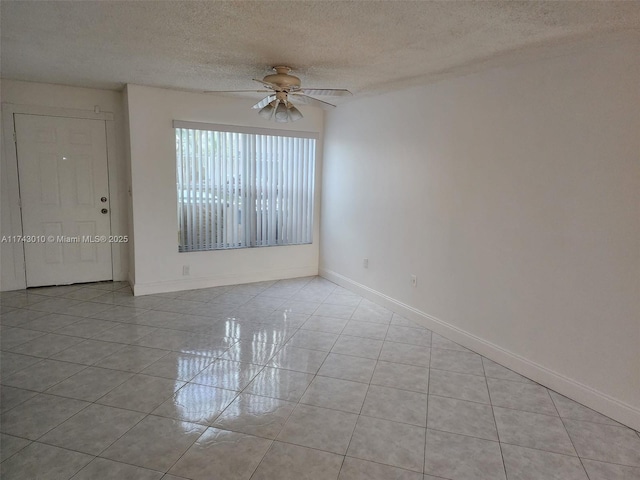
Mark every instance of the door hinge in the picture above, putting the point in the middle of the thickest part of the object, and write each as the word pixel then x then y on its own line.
pixel 15 138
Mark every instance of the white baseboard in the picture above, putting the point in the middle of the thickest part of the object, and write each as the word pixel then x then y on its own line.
pixel 190 283
pixel 584 394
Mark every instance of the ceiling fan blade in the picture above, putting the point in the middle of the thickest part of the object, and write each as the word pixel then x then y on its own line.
pixel 310 100
pixel 335 92
pixel 271 86
pixel 264 102
pixel 237 91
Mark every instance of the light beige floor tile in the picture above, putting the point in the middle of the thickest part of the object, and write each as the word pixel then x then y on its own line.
pixel 462 458
pixel 178 366
pixel 119 313
pixel 370 312
pixel 346 367
pixel 280 383
pixel 249 325
pixel 298 359
pixel 404 353
pixel 21 303
pixel 155 443
pixel 11 397
pixel 141 393
pixel 125 333
pixel 10 445
pixel 495 370
pixel 459 416
pixel 605 443
pixel 533 430
pixel 305 295
pixel 11 363
pixel 313 340
pixel 285 319
pixel 320 428
pixel 284 461
pixel 295 306
pixel 93 429
pixel 228 374
pixel 337 311
pixel 132 358
pixel 459 385
pixel 521 396
pixel 356 469
pixel 42 375
pixel 608 471
pixel 454 361
pixel 46 345
pixel 413 336
pixel 438 341
pixel 257 353
pixel 39 461
pixel 231 455
pixel 400 320
pixel 167 339
pixel 358 328
pixel 271 333
pixel 336 394
pixel 528 464
pixel 264 304
pixel 396 405
pixel 55 305
pixel 38 415
pixel 340 299
pixel 103 469
pixel 88 327
pixel 50 322
pixel 196 403
pixel 88 352
pixel 11 338
pixel 90 384
pixel 357 346
pixel 325 324
pixel 567 408
pixel 401 445
pixel 255 415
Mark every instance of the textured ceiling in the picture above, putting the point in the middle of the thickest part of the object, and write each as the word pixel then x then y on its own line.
pixel 367 47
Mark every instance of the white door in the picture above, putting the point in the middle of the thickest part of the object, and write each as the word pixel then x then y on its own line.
pixel 64 193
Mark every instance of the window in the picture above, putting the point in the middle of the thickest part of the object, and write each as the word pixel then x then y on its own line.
pixel 239 187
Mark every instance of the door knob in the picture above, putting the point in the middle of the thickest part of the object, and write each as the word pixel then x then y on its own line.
pixel 103 199
pixel 104 211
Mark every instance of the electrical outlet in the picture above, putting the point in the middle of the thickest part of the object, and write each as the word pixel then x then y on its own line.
pixel 365 263
pixel 414 281
pixel 185 270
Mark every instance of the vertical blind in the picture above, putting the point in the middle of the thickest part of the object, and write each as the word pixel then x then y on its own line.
pixel 241 189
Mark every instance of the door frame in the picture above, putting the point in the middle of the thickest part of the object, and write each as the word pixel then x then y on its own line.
pixel 11 185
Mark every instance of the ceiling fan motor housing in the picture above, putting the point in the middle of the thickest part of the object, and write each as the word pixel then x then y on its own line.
pixel 283 79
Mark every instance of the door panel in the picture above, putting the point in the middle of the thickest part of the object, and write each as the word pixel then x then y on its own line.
pixel 62 163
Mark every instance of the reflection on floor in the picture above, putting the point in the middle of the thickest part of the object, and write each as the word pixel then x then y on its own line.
pixel 295 379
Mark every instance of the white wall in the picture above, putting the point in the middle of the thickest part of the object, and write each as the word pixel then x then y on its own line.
pixel 44 99
pixel 158 265
pixel 513 195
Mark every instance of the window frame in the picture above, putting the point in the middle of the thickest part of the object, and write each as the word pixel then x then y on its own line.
pixel 237 129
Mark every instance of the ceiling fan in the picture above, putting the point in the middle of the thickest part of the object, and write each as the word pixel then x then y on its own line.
pixel 283 90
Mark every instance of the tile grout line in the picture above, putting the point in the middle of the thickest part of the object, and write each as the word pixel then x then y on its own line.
pixel 495 423
pixel 426 424
pixel 355 425
pixel 568 434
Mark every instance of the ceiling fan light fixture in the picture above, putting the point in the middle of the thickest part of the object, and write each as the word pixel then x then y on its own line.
pixel 282 113
pixel 267 110
pixel 294 114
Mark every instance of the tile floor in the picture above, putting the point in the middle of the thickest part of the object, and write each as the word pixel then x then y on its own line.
pixel 296 379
